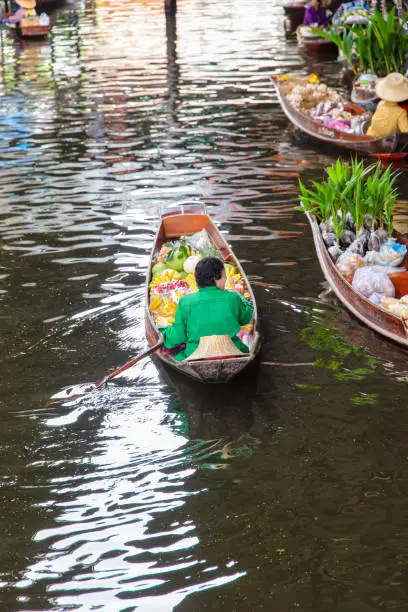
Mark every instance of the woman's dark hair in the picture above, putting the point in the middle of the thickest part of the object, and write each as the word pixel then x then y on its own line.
pixel 208 270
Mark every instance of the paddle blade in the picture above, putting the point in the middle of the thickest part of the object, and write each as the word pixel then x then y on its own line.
pixel 72 391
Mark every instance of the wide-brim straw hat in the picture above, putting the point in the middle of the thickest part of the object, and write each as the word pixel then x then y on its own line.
pixel 27 4
pixel 392 88
pixel 215 346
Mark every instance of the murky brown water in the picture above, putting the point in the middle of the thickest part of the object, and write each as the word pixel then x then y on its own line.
pixel 286 490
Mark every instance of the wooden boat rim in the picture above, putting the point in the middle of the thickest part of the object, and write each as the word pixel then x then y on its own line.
pixel 311 37
pixel 380 330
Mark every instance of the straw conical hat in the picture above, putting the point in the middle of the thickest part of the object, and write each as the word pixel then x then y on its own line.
pixel 215 346
pixel 27 4
pixel 393 88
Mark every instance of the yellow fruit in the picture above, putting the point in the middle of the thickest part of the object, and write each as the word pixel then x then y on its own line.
pixel 230 270
pixel 155 303
pixel 190 279
pixel 164 277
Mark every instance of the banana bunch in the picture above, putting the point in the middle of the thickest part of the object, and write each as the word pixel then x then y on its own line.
pixel 190 279
pixel 166 276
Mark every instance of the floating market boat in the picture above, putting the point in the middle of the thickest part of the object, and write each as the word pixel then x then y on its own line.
pixel 33 31
pixel 295 12
pixel 313 43
pixel 187 222
pixel 364 144
pixel 379 319
pixel 29 28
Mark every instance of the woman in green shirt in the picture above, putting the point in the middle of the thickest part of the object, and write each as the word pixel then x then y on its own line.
pixel 211 311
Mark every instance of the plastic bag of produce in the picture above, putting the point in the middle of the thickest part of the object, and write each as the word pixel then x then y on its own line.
pixel 348 263
pixel 199 241
pixel 373 283
pixel 44 19
pixel 396 307
pixel 391 253
pixel 246 338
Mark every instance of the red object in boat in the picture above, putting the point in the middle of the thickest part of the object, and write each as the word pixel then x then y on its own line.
pixel 390 156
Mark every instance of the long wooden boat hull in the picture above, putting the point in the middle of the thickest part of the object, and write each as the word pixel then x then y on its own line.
pixel 173 225
pixel 377 318
pixel 362 144
pixel 33 32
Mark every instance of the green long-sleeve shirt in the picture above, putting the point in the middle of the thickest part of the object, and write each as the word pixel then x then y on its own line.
pixel 208 312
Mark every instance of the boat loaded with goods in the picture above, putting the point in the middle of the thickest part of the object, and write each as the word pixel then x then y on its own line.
pixel 319 111
pixel 185 237
pixel 362 257
pixel 374 45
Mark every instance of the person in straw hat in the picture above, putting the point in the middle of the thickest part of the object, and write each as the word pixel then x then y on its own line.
pixel 389 117
pixel 27 9
pixel 212 315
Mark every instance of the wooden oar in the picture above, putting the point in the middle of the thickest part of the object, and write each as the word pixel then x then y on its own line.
pixel 77 390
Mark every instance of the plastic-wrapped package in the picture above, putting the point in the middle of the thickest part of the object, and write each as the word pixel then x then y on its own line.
pixel 386 302
pixel 348 263
pixel 370 258
pixel 198 241
pixel 360 244
pixel 401 310
pixel 335 252
pixel 371 280
pixel 347 239
pixel 44 19
pixel 376 298
pixel 350 224
pixel 246 338
pixel 382 235
pixel 329 238
pixel 373 242
pixel 391 253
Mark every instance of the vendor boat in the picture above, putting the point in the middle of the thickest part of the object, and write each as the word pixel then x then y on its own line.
pixel 295 12
pixel 364 144
pixel 32 31
pixel 313 43
pixel 28 28
pixel 376 317
pixel 186 222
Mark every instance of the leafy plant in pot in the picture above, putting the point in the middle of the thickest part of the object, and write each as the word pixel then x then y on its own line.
pixel 380 47
pixel 354 205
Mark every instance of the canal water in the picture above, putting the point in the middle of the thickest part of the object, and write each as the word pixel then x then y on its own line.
pixel 286 490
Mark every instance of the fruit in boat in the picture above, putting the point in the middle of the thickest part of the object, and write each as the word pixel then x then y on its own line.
pixel 159 267
pixel 230 270
pixel 177 257
pixel 164 277
pixel 190 263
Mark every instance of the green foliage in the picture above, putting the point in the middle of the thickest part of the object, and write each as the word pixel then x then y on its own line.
pixel 379 47
pixel 346 361
pixel 344 41
pixel 365 399
pixel 352 188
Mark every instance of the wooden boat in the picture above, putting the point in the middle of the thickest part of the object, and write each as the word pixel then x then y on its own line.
pixel 295 12
pixel 212 370
pixel 313 43
pixel 33 31
pixel 377 318
pixel 26 30
pixel 364 144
